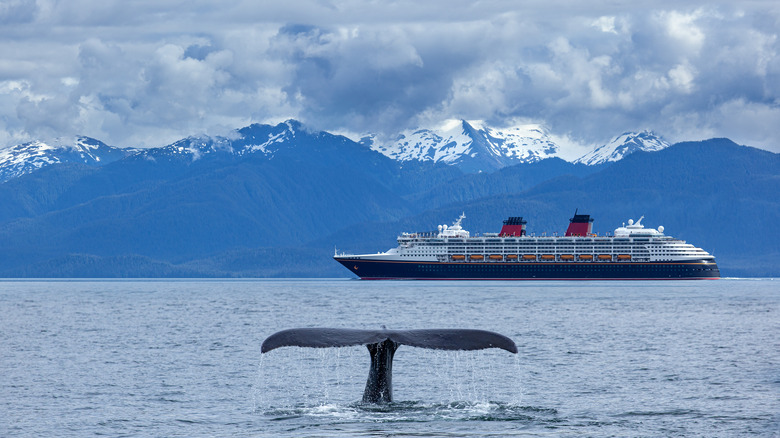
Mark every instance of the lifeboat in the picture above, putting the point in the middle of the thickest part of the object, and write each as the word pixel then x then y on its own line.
pixel 586 257
pixel 605 257
pixel 511 256
pixel 496 257
pixel 477 257
pixel 548 257
pixel 567 257
pixel 458 257
pixel 529 257
pixel 624 257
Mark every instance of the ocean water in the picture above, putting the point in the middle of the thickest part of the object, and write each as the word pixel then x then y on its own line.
pixel 182 358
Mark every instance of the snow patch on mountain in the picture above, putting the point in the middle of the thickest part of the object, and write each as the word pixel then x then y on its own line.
pixel 526 143
pixel 470 144
pixel 190 148
pixel 623 145
pixel 446 144
pixel 25 158
pixel 265 147
pixel 253 139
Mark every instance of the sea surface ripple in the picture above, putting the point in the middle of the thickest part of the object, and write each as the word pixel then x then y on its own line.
pixel 182 358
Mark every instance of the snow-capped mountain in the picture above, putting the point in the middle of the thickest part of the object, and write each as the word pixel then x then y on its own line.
pixel 254 139
pixel 622 145
pixel 28 157
pixel 25 158
pixel 471 146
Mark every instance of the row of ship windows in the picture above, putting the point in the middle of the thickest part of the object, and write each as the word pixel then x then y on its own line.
pixel 543 248
pixel 559 249
pixel 531 244
pixel 547 246
pixel 564 250
pixel 567 268
pixel 460 250
pixel 542 245
pixel 537 240
pixel 570 248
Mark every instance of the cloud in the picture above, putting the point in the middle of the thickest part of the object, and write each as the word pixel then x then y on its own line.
pixel 683 28
pixel 682 76
pixel 17 11
pixel 148 73
pixel 356 77
pixel 605 24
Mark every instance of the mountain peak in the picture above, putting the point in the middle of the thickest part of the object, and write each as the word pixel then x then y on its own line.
pixel 28 157
pixel 293 125
pixel 471 145
pixel 253 139
pixel 623 145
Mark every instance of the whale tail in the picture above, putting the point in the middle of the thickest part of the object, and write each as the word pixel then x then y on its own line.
pixel 382 345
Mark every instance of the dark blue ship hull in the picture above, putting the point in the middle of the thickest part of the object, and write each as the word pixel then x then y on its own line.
pixel 389 270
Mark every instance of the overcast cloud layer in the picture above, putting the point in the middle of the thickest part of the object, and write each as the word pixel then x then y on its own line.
pixel 146 73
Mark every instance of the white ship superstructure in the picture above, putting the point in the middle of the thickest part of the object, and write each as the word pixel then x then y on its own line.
pixel 632 242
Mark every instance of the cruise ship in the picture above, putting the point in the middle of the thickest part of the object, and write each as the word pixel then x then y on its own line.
pixel 632 252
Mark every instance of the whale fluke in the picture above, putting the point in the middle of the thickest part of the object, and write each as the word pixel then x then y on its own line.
pixel 437 339
pixel 382 345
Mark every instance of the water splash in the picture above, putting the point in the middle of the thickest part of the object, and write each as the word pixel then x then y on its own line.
pixel 295 377
pixel 413 411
